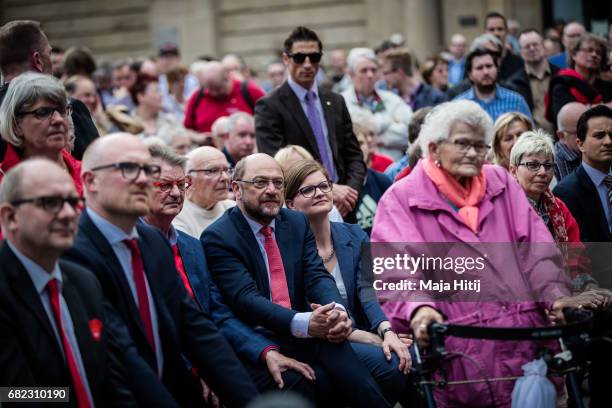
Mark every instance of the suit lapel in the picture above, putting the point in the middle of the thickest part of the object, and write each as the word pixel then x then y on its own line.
pixel 192 267
pixel 328 109
pixel 23 287
pixel 113 265
pixel 245 233
pixel 344 253
pixel 591 191
pixel 295 108
pixel 283 240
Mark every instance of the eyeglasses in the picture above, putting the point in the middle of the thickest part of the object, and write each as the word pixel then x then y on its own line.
pixel 52 204
pixel 311 191
pixel 534 166
pixel 168 185
pixel 213 172
pixel 261 183
pixel 591 50
pixel 130 171
pixel 299 57
pixel 463 146
pixel 47 112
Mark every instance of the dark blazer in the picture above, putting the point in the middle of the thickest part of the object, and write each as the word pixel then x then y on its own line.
pixel 184 330
pixel 30 354
pixel 520 83
pixel 580 195
pixel 361 297
pixel 85 130
pixel 247 343
pixel 239 269
pixel 280 121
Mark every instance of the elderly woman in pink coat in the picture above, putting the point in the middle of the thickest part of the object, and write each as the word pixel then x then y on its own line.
pixel 452 196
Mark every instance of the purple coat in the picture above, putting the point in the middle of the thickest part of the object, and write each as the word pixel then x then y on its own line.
pixel 412 211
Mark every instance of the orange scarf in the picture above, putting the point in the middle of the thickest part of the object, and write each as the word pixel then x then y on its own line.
pixel 466 199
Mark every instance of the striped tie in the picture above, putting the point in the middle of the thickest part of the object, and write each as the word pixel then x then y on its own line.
pixel 608 182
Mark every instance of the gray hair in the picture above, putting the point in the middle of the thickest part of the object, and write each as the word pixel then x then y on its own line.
pixel 10 188
pixel 482 40
pixel 23 92
pixel 166 155
pixel 439 122
pixel 234 118
pixel 531 143
pixel 358 53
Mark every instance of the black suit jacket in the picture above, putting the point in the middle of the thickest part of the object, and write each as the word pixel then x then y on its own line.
pixel 280 121
pixel 30 354
pixel 580 195
pixel 184 330
pixel 85 130
pixel 239 269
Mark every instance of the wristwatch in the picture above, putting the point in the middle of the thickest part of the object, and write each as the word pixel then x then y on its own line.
pixel 382 333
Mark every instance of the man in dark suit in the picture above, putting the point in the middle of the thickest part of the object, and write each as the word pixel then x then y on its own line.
pixel 300 113
pixel 135 266
pixel 252 348
pixel 265 262
pixel 53 327
pixel 587 191
pixel 24 47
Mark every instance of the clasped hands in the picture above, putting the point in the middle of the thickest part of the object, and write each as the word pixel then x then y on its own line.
pixel 329 322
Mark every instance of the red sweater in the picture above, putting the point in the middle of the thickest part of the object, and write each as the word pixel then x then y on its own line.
pixel 210 109
pixel 380 162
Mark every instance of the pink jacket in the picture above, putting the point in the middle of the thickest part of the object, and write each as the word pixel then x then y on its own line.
pixel 413 211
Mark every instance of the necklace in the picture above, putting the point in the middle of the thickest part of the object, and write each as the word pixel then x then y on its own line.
pixel 328 258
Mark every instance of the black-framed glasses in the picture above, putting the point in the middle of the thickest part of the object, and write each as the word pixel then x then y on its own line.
pixel 47 111
pixel 52 204
pixel 261 183
pixel 464 146
pixel 214 171
pixel 166 185
pixel 534 166
pixel 311 191
pixel 130 170
pixel 300 57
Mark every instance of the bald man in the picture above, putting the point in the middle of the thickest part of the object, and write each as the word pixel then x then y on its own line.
pixel 219 95
pixel 571 32
pixel 567 152
pixel 53 327
pixel 207 198
pixel 135 265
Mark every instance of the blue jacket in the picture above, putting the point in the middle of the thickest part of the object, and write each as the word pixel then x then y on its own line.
pixel 348 240
pixel 245 341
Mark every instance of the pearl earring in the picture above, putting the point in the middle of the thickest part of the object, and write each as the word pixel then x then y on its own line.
pixel 438 163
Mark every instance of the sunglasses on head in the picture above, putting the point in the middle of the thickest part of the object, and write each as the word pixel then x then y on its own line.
pixel 299 57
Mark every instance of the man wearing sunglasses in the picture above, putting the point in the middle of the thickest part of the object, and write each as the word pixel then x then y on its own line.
pixel 301 113
pixel 136 268
pixel 54 329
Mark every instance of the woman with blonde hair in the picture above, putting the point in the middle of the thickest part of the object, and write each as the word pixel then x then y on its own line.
pixel 507 129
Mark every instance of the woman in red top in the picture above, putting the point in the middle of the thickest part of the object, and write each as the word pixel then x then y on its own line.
pixel 35 122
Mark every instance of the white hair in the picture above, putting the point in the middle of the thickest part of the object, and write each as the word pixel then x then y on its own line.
pixel 483 39
pixel 358 53
pixel 530 143
pixel 440 121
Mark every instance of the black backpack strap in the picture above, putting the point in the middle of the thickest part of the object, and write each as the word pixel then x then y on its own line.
pixel 2 150
pixel 195 106
pixel 244 88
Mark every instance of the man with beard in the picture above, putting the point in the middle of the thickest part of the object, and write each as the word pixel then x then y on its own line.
pixel 265 262
pixel 496 100
pixel 135 266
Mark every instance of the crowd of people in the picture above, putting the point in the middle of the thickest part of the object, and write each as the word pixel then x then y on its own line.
pixel 196 236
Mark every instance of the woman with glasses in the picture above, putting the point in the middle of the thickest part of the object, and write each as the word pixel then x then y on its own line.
pixel 506 130
pixel 532 165
pixel 588 56
pixel 309 190
pixel 35 122
pixel 452 196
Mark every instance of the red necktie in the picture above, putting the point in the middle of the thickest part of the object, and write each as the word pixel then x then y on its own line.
pixel 278 280
pixel 79 387
pixel 178 262
pixel 141 290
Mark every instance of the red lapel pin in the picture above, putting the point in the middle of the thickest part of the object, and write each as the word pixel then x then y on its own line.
pixel 95 326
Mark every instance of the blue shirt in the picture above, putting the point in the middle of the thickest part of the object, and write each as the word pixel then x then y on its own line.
pixel 559 60
pixel 394 169
pixel 597 177
pixel 301 95
pixel 455 71
pixel 115 237
pixel 40 279
pixel 504 101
